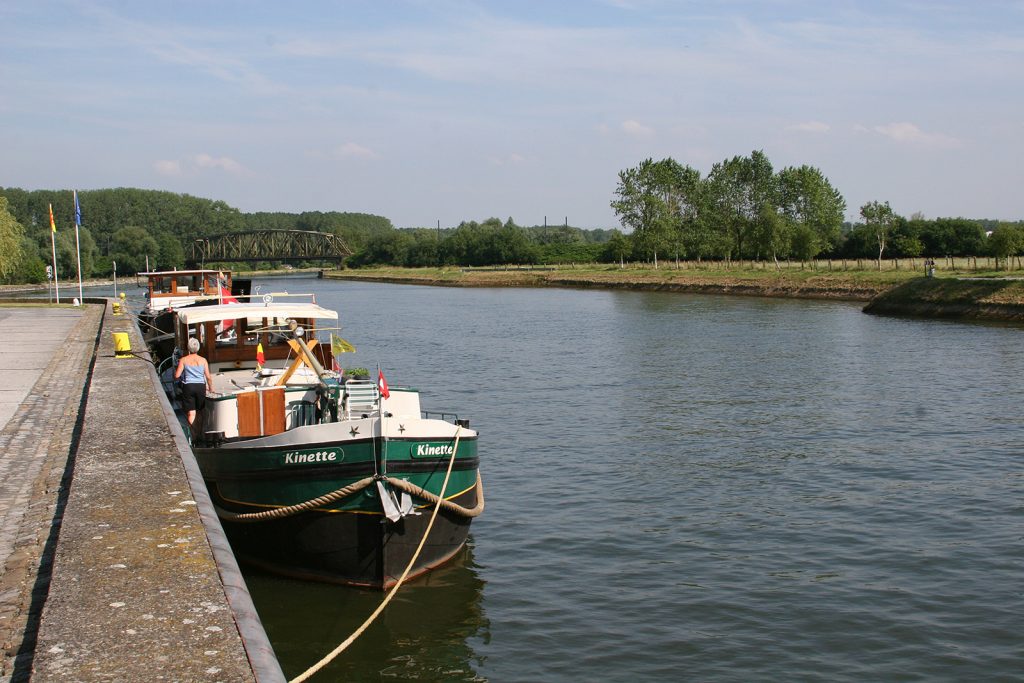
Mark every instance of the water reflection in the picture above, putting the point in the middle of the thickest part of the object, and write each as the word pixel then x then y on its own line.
pixel 426 633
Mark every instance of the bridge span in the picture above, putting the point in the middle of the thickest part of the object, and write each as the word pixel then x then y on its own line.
pixel 252 246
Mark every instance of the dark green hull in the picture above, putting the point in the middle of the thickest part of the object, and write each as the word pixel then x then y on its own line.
pixel 350 540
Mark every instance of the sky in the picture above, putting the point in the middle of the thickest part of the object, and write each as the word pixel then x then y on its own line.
pixel 441 111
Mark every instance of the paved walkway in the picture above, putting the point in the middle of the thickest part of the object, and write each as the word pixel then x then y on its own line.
pixel 31 337
pixel 117 573
pixel 45 361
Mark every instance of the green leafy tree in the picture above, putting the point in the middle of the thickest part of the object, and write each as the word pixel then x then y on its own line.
pixel 169 253
pixel 773 234
pixel 739 189
pixel 644 203
pixel 423 251
pixel 11 234
pixel 70 252
pixel 905 238
pixel 807 198
pixel 685 198
pixel 879 219
pixel 130 246
pixel 949 236
pixel 1005 241
pixel 617 248
pixel 805 243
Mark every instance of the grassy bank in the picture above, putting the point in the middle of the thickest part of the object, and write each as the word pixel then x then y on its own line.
pixel 788 282
pixel 955 292
pixel 986 299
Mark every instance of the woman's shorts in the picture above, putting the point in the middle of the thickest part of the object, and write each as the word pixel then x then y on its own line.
pixel 193 396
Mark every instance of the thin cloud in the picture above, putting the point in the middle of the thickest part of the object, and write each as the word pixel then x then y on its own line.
pixel 810 127
pixel 167 43
pixel 198 163
pixel 509 160
pixel 168 167
pixel 353 150
pixel 636 129
pixel 223 163
pixel 908 133
pixel 346 150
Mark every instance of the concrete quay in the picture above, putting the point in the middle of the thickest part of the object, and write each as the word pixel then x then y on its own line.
pixel 114 565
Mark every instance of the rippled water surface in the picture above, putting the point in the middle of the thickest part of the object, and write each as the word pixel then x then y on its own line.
pixel 694 488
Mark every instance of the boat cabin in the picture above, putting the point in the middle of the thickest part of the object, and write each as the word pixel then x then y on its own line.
pixel 230 334
pixel 175 288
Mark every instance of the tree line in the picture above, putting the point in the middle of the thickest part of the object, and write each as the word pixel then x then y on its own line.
pixel 487 243
pixel 135 227
pixel 742 209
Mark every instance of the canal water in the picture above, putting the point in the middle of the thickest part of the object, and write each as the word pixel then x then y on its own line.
pixel 703 488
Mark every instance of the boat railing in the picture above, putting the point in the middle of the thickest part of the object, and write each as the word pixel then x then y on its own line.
pixel 264 297
pixel 165 372
pixel 443 415
pixel 361 399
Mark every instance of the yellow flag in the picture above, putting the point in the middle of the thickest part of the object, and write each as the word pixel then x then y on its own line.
pixel 53 226
pixel 340 346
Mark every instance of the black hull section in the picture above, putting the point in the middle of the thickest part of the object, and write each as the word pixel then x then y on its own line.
pixel 360 549
pixel 158 331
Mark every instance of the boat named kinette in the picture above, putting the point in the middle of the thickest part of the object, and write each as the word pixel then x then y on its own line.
pixel 316 475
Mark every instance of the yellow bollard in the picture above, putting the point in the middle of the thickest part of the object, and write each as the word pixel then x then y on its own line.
pixel 122 345
pixel 120 306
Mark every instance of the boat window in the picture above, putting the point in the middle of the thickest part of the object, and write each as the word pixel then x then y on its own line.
pixel 191 283
pixel 226 333
pixel 252 327
pixel 277 331
pixel 162 285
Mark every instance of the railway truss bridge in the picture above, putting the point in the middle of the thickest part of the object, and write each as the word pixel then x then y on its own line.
pixel 252 246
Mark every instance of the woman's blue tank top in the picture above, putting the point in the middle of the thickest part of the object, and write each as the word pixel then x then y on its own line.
pixel 193 374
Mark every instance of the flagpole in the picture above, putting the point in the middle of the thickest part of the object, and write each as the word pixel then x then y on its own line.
pixel 78 246
pixel 53 250
pixel 382 413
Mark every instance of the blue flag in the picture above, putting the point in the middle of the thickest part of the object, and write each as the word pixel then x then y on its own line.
pixel 78 210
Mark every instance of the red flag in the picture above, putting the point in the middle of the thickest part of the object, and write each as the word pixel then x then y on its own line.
pixel 225 294
pixel 382 384
pixel 260 359
pixel 226 297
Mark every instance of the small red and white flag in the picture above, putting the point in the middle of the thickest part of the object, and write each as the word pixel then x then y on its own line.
pixel 382 385
pixel 226 297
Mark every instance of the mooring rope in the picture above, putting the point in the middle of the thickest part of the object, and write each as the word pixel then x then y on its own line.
pixel 345 491
pixel 359 631
pixel 448 505
pixel 298 507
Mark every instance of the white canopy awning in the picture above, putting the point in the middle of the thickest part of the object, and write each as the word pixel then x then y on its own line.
pixel 194 315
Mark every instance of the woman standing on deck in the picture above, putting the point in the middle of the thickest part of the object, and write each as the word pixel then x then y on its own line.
pixel 194 372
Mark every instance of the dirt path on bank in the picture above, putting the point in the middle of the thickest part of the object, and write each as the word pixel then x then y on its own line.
pixel 822 286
